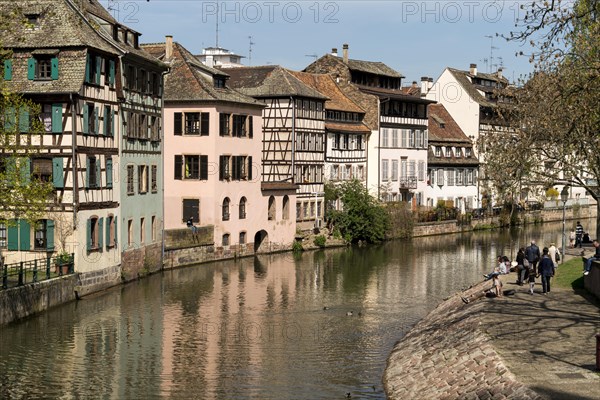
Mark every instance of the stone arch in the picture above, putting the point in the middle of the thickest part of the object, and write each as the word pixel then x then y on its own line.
pixel 261 241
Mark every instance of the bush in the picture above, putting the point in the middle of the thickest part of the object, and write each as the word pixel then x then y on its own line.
pixel 297 247
pixel 320 240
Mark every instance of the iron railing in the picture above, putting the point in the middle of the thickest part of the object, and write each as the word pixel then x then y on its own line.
pixel 26 272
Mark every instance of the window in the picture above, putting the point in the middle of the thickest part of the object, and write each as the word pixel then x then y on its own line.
pixel 154 228
pixel 440 177
pixel 130 177
pixel 142 230
pixel 142 178
pixel 448 151
pixel 90 119
pixel 224 124
pixel 224 171
pixel 394 170
pixel 346 141
pixel 458 152
pixel 242 208
pixel 219 82
pixel 384 137
pixel 192 123
pixel 44 235
pixel 450 177
pixel 411 139
pixel 93 68
pixel 41 169
pixel 191 209
pixel 111 231
pixel 438 151
pixel 467 152
pixel 384 170
pixel 271 210
pixel 42 68
pixel 421 170
pixel 431 177
pixel 109 172
pixel 225 209
pixel 94 233
pixel 154 179
pixel 239 125
pixel 404 137
pixel 191 167
pixel 225 240
pixel 93 173
pixel 361 172
pixel 412 168
pixel 242 237
pixel 130 233
pixel 335 172
pixel 359 142
pixel 108 121
pixel 460 174
pixel 286 208
pixel 394 137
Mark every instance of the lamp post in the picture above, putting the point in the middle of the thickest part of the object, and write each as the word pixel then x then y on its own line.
pixel 564 196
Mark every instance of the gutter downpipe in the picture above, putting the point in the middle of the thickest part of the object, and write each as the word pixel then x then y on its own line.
pixel 293 102
pixel 74 159
pixel 162 167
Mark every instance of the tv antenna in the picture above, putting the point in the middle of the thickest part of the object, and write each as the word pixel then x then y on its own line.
pixel 250 43
pixel 312 55
pixel 217 26
pixel 492 48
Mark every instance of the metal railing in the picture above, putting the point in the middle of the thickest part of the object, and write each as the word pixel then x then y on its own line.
pixel 26 272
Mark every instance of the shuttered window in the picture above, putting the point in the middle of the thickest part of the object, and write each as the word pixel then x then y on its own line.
pixel 8 70
pixel 191 209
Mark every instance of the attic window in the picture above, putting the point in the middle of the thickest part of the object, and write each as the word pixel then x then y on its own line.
pixel 219 82
pixel 33 20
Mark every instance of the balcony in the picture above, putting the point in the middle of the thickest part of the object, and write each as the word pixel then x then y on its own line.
pixel 408 182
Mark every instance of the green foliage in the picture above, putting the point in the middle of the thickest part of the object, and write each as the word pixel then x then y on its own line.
pixel 362 217
pixel 552 194
pixel 401 220
pixel 297 246
pixel 320 240
pixel 568 275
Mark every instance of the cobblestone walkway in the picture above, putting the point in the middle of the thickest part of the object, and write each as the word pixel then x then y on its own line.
pixel 516 347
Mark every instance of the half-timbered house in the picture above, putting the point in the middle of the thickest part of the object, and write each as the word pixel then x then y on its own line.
pixel 293 135
pixel 212 160
pixel 346 133
pixel 397 148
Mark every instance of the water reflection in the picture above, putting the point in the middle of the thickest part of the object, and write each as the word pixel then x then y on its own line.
pixel 255 328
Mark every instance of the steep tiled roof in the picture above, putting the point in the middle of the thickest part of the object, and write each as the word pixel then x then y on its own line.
pixel 190 80
pixel 346 127
pixel 442 127
pixel 394 94
pixel 373 67
pixel 60 25
pixel 464 79
pixel 411 90
pixel 325 84
pixel 269 81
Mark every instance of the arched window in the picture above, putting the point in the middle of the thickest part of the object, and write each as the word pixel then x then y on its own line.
pixel 271 208
pixel 242 208
pixel 225 239
pixel 286 207
pixel 226 209
pixel 243 237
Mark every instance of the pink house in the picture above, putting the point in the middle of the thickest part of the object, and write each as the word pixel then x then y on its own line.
pixel 212 160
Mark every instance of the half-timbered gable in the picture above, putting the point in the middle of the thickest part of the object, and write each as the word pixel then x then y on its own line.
pixel 293 134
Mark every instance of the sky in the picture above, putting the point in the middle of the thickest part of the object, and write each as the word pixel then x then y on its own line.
pixel 416 38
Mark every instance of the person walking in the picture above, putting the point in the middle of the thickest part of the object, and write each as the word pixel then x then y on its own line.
pixel 532 253
pixel 578 234
pixel 554 254
pixel 546 271
pixel 521 270
pixel 531 279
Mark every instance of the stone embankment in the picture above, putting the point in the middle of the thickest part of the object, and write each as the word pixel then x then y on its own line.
pixel 448 356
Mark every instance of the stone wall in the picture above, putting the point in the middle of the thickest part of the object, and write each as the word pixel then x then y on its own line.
pixel 184 238
pixel 591 282
pixel 95 281
pixel 22 301
pixel 140 262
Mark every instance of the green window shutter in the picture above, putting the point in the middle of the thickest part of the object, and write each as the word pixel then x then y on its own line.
pixel 98 172
pixel 10 119
pixel 86 119
pixel 57 173
pixel 24 235
pixel 98 69
pixel 88 234
pixel 49 235
pixel 87 68
pixel 111 77
pixel 57 118
pixel 7 70
pixel 96 124
pixel 116 230
pixel 87 173
pixel 31 63
pixel 100 235
pixel 25 168
pixel 106 119
pixel 109 171
pixel 107 231
pixel 13 236
pixel 23 120
pixel 54 68
pixel 112 124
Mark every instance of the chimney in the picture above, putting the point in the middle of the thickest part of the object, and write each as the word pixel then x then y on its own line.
pixel 345 52
pixel 334 52
pixel 473 69
pixel 500 72
pixel 168 47
pixel 424 85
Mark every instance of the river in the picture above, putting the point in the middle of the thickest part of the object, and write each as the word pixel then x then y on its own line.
pixel 269 327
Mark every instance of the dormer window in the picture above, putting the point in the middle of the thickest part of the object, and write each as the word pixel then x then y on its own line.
pixel 219 82
pixel 467 152
pixel 448 151
pixel 43 67
pixel 438 151
pixel 33 20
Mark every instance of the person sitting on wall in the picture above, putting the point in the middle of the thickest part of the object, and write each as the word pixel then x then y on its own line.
pixel 190 224
pixel 595 257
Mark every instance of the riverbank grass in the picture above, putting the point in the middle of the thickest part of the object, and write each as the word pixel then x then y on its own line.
pixel 570 274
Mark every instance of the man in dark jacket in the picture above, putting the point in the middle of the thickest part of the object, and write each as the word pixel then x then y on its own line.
pixel 546 270
pixel 533 255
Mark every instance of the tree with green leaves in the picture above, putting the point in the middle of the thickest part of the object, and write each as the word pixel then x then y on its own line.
pixel 558 107
pixel 362 216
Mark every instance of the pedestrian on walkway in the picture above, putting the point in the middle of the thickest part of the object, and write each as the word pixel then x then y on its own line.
pixel 521 270
pixel 572 239
pixel 596 256
pixel 531 279
pixel 546 271
pixel 532 253
pixel 554 254
pixel 578 234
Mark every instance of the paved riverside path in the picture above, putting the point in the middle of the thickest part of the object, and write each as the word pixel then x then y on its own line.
pixel 516 347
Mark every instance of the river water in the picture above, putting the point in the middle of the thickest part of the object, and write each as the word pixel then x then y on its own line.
pixel 270 327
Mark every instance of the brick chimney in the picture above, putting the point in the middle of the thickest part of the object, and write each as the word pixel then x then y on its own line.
pixel 345 52
pixel 334 52
pixel 168 47
pixel 473 69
